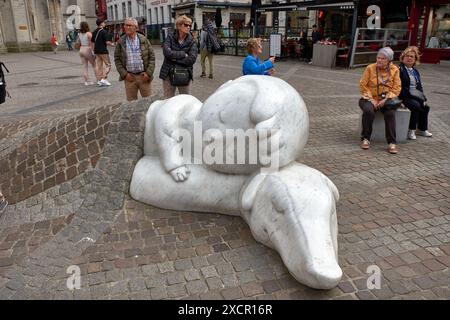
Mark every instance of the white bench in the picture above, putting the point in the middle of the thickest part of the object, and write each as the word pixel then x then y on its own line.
pixel 402 116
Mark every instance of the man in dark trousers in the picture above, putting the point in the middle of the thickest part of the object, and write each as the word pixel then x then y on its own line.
pixel 99 43
pixel 316 37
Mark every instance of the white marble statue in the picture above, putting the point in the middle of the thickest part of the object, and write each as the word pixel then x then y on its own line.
pixel 289 207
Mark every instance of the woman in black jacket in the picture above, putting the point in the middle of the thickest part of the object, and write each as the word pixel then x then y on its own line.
pixel 180 50
pixel 412 93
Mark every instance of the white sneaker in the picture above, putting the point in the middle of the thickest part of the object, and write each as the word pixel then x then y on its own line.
pixel 412 135
pixel 105 82
pixel 100 83
pixel 88 83
pixel 425 133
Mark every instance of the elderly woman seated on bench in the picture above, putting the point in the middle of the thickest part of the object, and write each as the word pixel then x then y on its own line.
pixel 380 86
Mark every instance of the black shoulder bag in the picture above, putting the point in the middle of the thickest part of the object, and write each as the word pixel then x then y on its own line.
pixel 416 93
pixel 180 76
pixel 391 103
pixel 3 91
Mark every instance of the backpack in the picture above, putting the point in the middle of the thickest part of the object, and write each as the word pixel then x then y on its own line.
pixel 3 91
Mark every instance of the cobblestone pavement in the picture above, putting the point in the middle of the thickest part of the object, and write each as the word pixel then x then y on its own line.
pixel 394 210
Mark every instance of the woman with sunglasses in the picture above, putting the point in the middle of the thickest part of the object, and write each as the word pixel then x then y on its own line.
pixel 180 52
pixel 252 64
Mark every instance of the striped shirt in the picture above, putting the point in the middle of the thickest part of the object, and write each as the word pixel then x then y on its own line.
pixel 135 64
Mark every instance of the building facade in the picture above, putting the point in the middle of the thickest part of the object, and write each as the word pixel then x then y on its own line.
pixel 430 29
pixel 75 11
pixel 234 13
pixel 118 10
pixel 27 25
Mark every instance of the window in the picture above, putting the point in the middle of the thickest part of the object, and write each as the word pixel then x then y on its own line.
pixel 438 31
pixel 162 14
pixel 149 16
pixel 170 13
pixel 116 12
pixel 156 16
pixel 129 9
pixel 124 10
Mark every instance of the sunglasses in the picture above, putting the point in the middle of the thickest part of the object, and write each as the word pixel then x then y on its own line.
pixel 187 25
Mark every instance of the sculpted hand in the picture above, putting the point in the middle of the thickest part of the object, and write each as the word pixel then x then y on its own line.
pixel 180 174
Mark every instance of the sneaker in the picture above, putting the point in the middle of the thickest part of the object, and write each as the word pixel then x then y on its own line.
pixel 203 75
pixel 365 144
pixel 3 205
pixel 88 83
pixel 210 76
pixel 425 133
pixel 105 82
pixel 100 83
pixel 412 135
pixel 392 148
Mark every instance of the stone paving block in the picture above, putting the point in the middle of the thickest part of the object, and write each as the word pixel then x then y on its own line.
pixel 232 293
pixel 192 274
pixel 149 270
pixel 176 291
pixel 224 268
pixel 156 280
pixel 211 295
pixel 117 288
pixel 158 293
pixel 175 277
pixel 184 264
pixel 196 287
pixel 252 289
pixel 246 276
pixel 433 265
pixel 365 295
pixel 199 262
pixel 405 271
pixel 209 271
pixel 166 267
pixel 215 283
pixel 425 282
pixel 346 287
pixel 229 280
pixel 409 258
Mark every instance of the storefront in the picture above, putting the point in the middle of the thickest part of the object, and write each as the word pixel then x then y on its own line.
pixel 430 29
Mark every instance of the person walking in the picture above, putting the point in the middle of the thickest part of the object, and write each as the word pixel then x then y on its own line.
pixel 135 61
pixel 86 54
pixel 316 37
pixel 180 52
pixel 208 46
pixel 252 64
pixel 69 42
pixel 412 93
pixel 54 42
pixel 99 43
pixel 380 86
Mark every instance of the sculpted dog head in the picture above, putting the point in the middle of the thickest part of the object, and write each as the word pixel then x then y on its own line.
pixel 293 211
pixel 265 105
